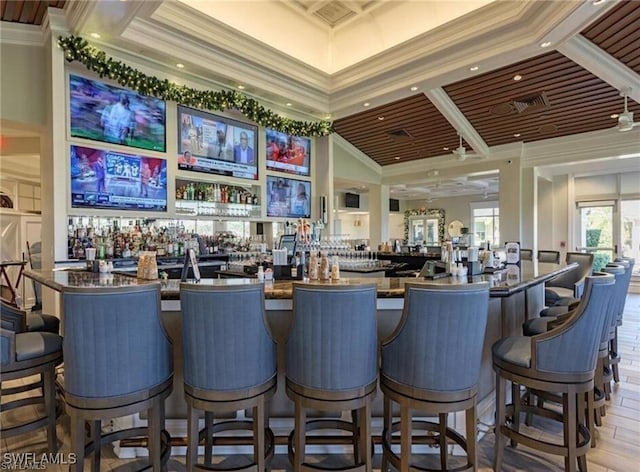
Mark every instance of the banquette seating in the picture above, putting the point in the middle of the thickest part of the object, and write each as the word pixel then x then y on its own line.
pixel 229 364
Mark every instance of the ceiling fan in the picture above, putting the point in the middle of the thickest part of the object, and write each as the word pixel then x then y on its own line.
pixel 625 119
pixel 461 152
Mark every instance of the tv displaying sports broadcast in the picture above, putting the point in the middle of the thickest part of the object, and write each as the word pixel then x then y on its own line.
pixel 216 145
pixel 288 153
pixel 101 112
pixel 288 198
pixel 115 180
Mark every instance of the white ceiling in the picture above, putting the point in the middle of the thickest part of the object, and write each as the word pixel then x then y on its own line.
pixel 332 35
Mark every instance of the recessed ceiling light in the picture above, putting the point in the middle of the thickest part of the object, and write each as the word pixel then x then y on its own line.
pixel 397 158
pixel 546 44
pixel 366 104
pixel 517 77
pixel 597 2
pixel 241 87
pixel 516 135
pixel 615 115
pixel 381 118
pixel 95 35
pixel 179 65
pixel 446 148
pixel 414 88
pixel 474 68
pixel 327 117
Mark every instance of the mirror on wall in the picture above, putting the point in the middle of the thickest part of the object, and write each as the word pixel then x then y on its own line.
pixel 424 227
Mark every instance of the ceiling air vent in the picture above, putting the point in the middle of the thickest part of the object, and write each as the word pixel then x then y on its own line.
pixel 531 103
pixel 502 109
pixel 334 13
pixel 400 135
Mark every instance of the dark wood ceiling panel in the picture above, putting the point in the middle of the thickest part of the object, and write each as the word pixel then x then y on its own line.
pixel 578 101
pixel 382 140
pixel 27 11
pixel 618 33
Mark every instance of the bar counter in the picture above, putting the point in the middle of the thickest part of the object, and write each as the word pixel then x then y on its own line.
pixel 503 283
pixel 515 295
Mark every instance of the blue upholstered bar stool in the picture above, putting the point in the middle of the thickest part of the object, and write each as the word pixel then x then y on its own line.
pixel 25 354
pixel 331 364
pixel 614 355
pixel 561 361
pixel 118 361
pixel 229 365
pixel 569 284
pixel 431 364
pixel 526 254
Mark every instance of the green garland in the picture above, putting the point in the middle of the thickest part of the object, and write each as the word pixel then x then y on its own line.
pixel 78 49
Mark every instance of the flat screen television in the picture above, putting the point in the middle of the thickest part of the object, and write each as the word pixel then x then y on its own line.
pixel 288 198
pixel 351 200
pixel 115 180
pixel 109 114
pixel 216 145
pixel 288 153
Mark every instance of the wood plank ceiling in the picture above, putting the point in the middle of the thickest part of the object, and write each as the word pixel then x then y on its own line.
pixel 26 11
pixel 553 97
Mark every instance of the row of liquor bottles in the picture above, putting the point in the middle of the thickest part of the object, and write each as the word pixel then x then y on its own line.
pixel 215 193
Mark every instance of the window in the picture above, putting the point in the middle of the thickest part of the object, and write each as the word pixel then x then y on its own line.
pixel 485 223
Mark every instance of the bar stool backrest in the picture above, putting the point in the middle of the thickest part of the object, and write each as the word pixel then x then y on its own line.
pixel 332 342
pixel 437 344
pixel 114 342
pixel 570 278
pixel 573 347
pixel 526 254
pixel 226 344
pixel 549 256
pixel 618 273
pixel 620 270
pixel 628 262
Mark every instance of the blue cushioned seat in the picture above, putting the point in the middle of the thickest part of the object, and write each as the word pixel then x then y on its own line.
pixel 118 361
pixel 561 361
pixel 33 345
pixel 25 356
pixel 229 365
pixel 431 363
pixel 331 363
pixel 569 284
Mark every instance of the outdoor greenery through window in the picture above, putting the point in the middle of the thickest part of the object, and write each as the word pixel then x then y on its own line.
pixel 485 223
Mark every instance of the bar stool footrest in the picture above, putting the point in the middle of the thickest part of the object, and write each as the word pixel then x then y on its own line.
pixel 434 440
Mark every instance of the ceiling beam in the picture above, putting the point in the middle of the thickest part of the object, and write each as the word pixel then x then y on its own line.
pixel 452 113
pixel 589 56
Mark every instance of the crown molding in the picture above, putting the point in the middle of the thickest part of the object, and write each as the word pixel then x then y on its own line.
pixel 22 35
pixel 224 66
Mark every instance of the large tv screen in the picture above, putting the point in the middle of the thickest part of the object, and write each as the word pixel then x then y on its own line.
pixel 288 198
pixel 110 114
pixel 216 145
pixel 288 153
pixel 115 180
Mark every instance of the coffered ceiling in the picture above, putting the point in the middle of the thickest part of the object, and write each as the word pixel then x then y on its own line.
pixel 403 80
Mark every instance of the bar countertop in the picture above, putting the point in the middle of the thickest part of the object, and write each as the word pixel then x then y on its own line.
pixel 503 283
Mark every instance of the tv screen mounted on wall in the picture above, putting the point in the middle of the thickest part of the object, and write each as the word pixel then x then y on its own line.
pixel 288 198
pixel 102 112
pixel 216 145
pixel 288 153
pixel 115 180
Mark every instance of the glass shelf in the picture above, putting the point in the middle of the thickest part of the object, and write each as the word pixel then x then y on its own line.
pixel 204 208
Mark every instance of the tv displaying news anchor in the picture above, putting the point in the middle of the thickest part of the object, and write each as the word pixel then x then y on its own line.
pixel 216 145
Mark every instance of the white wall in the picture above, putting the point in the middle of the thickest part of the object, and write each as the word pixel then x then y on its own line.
pixel 545 214
pixel 22 75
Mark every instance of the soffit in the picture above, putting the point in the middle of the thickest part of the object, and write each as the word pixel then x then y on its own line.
pixel 27 11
